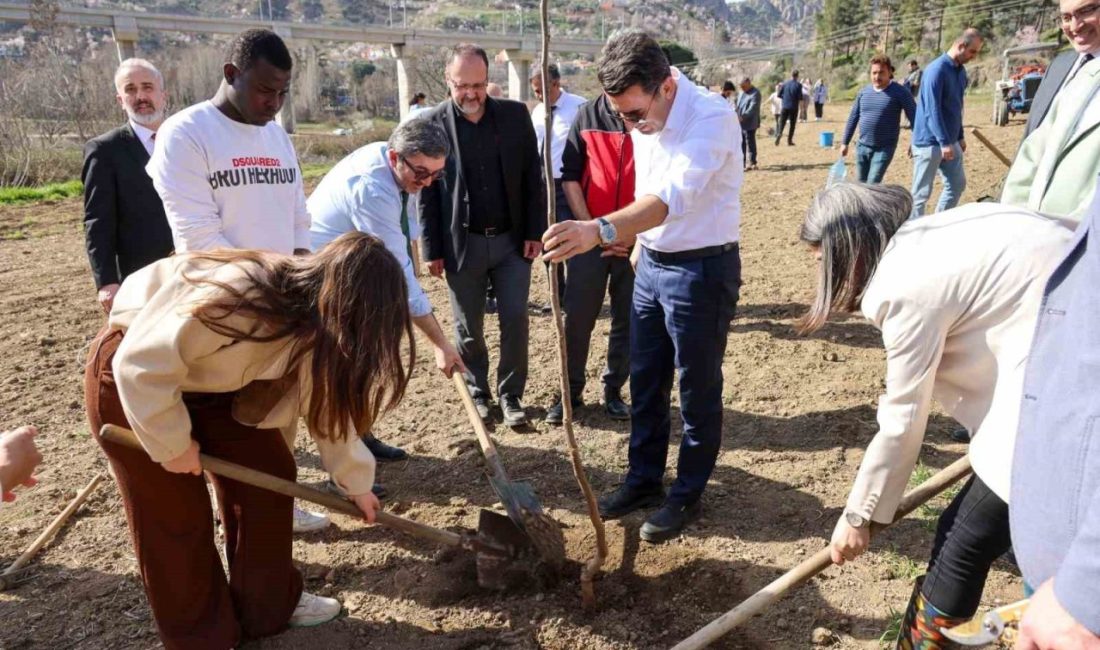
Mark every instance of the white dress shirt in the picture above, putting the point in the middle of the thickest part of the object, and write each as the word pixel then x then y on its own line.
pixel 565 111
pixel 361 193
pixel 694 166
pixel 145 135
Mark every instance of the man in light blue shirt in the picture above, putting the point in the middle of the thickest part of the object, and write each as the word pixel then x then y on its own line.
pixel 372 191
pixel 938 143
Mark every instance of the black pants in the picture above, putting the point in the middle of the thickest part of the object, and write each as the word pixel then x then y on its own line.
pixel 972 533
pixel 788 115
pixel 748 146
pixel 818 110
pixel 590 277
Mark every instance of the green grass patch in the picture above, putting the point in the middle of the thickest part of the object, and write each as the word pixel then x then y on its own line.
pixel 889 636
pixel 315 170
pixel 899 566
pixel 51 192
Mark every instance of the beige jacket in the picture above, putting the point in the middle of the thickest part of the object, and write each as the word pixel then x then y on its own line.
pixel 956 297
pixel 167 352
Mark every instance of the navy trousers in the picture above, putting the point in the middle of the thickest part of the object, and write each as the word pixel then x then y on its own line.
pixel 679 324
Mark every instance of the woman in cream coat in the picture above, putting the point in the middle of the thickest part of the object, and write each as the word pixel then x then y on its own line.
pixel 222 352
pixel 956 297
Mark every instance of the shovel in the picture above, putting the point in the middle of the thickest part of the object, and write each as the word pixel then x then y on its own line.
pixel 518 497
pixel 497 544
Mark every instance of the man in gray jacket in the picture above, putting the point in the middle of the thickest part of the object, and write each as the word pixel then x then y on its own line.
pixel 748 112
pixel 1054 505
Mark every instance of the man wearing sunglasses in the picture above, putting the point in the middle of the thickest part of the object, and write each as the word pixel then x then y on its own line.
pixel 484 222
pixel 686 217
pixel 372 191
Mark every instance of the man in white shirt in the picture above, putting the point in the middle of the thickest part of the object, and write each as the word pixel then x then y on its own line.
pixel 686 217
pixel 228 174
pixel 124 224
pixel 372 191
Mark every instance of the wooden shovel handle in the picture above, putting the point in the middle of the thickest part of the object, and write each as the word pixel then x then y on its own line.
pixel 818 562
pixel 487 446
pixel 255 478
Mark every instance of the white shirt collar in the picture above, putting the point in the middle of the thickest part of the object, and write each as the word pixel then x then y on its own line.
pixel 679 111
pixel 144 133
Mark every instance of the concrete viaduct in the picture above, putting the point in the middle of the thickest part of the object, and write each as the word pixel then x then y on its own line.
pixel 520 50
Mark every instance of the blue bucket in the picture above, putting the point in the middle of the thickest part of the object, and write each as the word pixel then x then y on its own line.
pixel 826 139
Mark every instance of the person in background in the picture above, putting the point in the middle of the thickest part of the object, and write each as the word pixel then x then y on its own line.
pixel 1054 513
pixel 776 103
pixel 372 191
pixel 124 223
pixel 940 343
pixel 483 222
pixel 912 80
pixel 686 216
pixel 820 94
pixel 729 93
pixel 877 112
pixel 807 97
pixel 790 95
pixel 419 103
pixel 748 113
pixel 494 90
pixel 938 140
pixel 18 458
pixel 228 173
pixel 221 353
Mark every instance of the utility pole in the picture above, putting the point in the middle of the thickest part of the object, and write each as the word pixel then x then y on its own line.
pixel 404 14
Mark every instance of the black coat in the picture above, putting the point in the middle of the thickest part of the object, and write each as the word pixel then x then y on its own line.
pixel 445 206
pixel 1052 82
pixel 124 223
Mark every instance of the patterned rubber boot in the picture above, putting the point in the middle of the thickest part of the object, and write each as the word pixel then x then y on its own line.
pixel 920 627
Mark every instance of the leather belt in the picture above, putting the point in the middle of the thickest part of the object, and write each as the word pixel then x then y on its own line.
pixel 489 232
pixel 694 254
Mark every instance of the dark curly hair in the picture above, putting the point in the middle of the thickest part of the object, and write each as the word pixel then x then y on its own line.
pixel 254 44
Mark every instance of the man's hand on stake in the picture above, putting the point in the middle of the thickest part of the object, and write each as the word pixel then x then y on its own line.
pixel 569 239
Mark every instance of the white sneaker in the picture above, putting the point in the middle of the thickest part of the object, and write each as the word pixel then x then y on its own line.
pixel 306 521
pixel 314 610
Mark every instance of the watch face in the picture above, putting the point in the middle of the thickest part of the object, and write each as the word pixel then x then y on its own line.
pixel 854 520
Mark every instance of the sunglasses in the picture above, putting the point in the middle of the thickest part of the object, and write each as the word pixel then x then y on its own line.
pixel 421 174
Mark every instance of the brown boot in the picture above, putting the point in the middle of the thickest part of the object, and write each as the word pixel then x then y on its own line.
pixel 920 627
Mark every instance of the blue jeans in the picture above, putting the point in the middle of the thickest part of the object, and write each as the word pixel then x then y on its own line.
pixel 926 162
pixel 871 162
pixel 679 324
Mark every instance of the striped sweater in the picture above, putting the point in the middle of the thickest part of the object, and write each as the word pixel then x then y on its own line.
pixel 878 114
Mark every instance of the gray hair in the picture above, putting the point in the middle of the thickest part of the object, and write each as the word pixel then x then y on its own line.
pixel 138 63
pixel 968 37
pixel 632 57
pixel 551 70
pixel 419 136
pixel 850 224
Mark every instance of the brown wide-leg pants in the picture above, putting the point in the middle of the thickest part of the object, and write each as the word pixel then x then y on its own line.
pixel 171 521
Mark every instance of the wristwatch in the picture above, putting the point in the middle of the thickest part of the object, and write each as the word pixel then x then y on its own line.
pixel 854 520
pixel 608 232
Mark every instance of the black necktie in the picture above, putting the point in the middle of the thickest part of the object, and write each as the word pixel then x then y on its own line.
pixel 1084 61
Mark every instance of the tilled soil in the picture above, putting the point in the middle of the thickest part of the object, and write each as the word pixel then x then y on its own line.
pixel 798 413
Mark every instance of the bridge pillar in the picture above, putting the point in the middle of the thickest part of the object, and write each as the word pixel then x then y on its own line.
pixel 404 94
pixel 519 68
pixel 285 118
pixel 126 35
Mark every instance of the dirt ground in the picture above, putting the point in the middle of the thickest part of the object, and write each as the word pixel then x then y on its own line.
pixel 798 414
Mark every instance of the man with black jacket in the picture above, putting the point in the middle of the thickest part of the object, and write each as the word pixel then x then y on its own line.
pixel 124 223
pixel 597 179
pixel 484 221
pixel 791 96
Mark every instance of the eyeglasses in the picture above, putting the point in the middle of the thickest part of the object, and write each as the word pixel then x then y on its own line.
pixel 1082 14
pixel 466 88
pixel 639 119
pixel 421 174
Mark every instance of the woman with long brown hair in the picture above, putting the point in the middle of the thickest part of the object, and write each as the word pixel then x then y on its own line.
pixel 222 352
pixel 956 297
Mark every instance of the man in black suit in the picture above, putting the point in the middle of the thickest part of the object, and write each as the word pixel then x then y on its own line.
pixel 484 221
pixel 1080 20
pixel 124 223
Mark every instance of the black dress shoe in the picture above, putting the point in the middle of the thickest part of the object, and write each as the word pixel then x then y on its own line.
pixel 512 409
pixel 960 435
pixel 556 413
pixel 613 403
pixel 378 489
pixel 384 453
pixel 625 500
pixel 667 522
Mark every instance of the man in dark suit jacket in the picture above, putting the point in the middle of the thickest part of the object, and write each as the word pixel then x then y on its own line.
pixel 124 223
pixel 484 221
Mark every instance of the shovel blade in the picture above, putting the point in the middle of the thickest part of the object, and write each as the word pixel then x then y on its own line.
pixel 498 570
pixel 526 513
